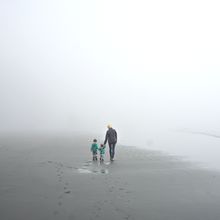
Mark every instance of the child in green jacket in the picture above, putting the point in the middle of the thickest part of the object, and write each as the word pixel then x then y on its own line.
pixel 94 149
pixel 102 152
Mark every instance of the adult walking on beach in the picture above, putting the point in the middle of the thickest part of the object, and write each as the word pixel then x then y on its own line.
pixel 111 137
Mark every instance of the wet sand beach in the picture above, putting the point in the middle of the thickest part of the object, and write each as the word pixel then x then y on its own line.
pixel 43 178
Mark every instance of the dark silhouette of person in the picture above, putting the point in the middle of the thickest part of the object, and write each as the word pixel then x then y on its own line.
pixel 111 137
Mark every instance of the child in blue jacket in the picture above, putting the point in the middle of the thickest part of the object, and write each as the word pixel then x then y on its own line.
pixel 102 152
pixel 94 149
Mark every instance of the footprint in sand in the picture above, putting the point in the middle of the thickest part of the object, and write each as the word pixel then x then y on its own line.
pixel 123 212
pixel 111 189
pixel 97 209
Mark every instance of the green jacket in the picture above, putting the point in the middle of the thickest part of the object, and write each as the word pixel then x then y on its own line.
pixel 102 150
pixel 94 148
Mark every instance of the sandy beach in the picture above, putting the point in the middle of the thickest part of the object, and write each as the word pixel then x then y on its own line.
pixel 43 178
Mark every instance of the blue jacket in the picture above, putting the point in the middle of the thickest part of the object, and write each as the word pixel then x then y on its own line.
pixel 94 147
pixel 102 150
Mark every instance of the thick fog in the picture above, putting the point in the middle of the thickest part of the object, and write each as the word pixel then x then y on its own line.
pixel 146 67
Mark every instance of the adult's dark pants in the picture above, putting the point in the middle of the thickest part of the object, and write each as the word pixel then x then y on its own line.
pixel 112 149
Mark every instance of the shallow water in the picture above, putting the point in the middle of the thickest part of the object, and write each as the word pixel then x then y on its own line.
pixel 91 167
pixel 197 147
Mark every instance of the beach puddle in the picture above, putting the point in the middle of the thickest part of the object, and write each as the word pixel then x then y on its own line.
pixel 104 171
pixel 83 170
pixel 93 168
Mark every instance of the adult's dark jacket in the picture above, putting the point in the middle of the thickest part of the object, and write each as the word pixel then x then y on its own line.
pixel 111 136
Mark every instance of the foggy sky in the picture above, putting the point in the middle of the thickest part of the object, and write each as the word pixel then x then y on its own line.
pixel 78 65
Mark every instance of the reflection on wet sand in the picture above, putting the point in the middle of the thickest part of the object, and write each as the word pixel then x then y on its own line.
pixel 94 168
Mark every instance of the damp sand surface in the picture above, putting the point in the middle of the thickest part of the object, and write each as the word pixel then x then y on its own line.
pixel 54 178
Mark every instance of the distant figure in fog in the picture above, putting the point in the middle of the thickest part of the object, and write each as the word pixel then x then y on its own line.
pixel 111 137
